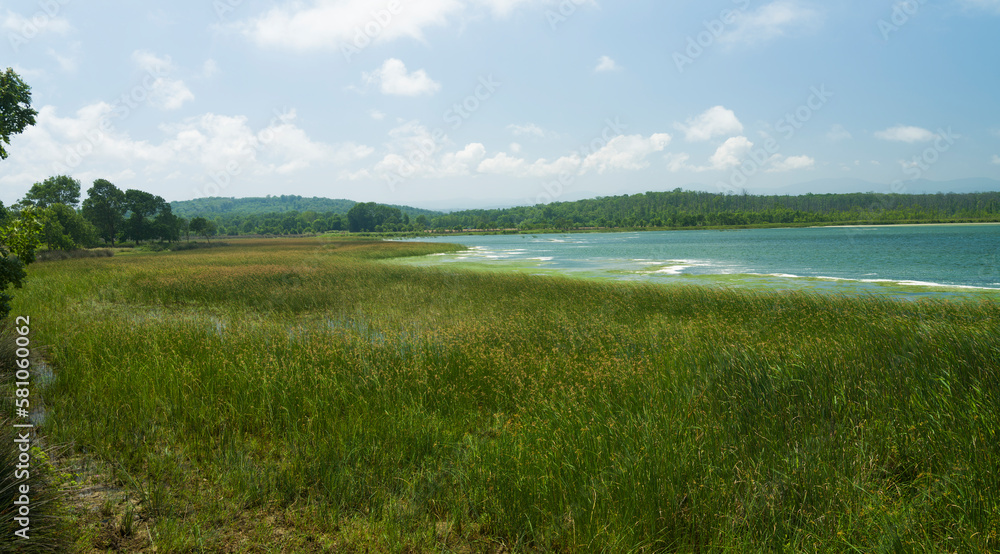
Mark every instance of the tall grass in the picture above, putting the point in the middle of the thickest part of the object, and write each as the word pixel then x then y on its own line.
pixel 549 414
pixel 47 530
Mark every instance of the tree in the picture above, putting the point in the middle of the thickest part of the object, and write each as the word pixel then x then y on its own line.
pixel 203 227
pixel 61 189
pixel 15 108
pixel 369 216
pixel 77 228
pixel 146 216
pixel 19 238
pixel 105 208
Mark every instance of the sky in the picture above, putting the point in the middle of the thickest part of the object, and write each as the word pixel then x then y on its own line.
pixel 453 104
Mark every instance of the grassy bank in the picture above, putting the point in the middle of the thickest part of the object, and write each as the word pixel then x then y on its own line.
pixel 297 395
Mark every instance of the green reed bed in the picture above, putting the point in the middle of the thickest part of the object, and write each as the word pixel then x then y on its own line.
pixel 535 413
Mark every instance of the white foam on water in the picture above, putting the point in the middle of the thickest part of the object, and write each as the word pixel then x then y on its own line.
pixel 673 270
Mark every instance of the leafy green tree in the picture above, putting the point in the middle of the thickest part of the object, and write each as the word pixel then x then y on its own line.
pixel 203 227
pixel 149 216
pixel 66 229
pixel 166 225
pixel 369 216
pixel 19 238
pixel 105 208
pixel 61 189
pixel 15 108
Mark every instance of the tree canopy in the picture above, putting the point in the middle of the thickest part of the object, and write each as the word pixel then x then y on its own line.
pixel 61 189
pixel 15 108
pixel 19 238
pixel 369 216
pixel 105 208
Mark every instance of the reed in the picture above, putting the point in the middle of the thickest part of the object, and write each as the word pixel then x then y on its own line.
pixel 396 408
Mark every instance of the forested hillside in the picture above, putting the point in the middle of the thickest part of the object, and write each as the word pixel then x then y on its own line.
pixel 679 208
pixel 216 206
pixel 673 209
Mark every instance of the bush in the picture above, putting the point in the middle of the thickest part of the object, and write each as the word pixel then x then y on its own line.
pixel 59 255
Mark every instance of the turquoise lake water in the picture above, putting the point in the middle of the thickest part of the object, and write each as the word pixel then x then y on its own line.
pixel 927 260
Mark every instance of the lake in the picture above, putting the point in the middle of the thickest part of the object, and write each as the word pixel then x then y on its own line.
pixel 911 260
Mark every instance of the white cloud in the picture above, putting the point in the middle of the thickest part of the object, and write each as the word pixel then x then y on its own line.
pixel 528 129
pixel 778 164
pixel 838 133
pixel 462 162
pixel 772 21
pixel 333 24
pixel 902 133
pixel 503 164
pixel 68 61
pixel 29 74
pixel 413 152
pixel 716 121
pixel 731 153
pixel 209 68
pixel 605 63
pixel 987 5
pixel 164 93
pixel 304 25
pixel 376 115
pixel 626 152
pixel 995 160
pixel 393 79
pixel 88 145
pixel 21 26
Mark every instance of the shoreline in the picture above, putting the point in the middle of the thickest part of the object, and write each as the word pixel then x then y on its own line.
pixel 904 225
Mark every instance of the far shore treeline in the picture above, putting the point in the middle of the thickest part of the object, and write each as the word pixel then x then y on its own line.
pixel 109 215
pixel 675 209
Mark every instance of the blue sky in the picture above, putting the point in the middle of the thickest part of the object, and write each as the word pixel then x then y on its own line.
pixel 465 103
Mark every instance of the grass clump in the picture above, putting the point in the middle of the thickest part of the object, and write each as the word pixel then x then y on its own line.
pixel 47 529
pixel 299 393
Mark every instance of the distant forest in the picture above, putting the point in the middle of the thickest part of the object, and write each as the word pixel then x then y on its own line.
pixel 215 206
pixel 674 209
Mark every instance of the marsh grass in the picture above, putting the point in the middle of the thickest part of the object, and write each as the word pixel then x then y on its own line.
pixel 303 392
pixel 47 530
